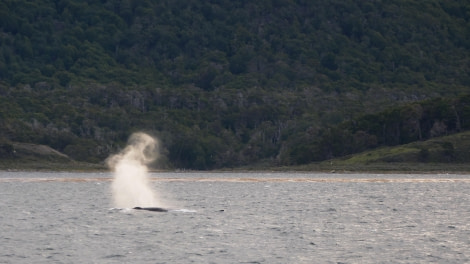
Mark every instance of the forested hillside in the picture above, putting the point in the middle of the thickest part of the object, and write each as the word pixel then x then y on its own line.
pixel 229 83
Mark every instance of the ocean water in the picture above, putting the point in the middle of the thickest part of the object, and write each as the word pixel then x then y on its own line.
pixel 238 218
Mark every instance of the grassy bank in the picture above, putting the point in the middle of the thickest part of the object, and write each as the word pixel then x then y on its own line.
pixel 33 157
pixel 442 154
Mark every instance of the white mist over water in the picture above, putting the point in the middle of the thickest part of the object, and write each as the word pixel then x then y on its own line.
pixel 131 185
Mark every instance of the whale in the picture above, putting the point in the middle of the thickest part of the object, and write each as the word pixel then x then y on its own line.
pixel 152 209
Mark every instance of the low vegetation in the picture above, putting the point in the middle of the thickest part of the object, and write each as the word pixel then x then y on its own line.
pixel 26 156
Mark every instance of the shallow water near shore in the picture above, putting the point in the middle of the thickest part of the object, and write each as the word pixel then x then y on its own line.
pixel 238 218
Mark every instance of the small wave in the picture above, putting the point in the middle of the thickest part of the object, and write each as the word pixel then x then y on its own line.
pixel 183 210
pixel 126 210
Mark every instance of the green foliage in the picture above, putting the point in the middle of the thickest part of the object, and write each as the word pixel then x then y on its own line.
pixel 6 150
pixel 83 150
pixel 233 82
pixel 395 126
pixel 90 39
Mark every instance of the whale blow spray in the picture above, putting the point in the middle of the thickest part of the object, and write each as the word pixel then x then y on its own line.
pixel 131 185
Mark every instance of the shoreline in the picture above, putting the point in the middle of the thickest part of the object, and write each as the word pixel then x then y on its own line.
pixel 379 168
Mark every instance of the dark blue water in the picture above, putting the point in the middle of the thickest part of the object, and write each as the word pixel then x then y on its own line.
pixel 238 218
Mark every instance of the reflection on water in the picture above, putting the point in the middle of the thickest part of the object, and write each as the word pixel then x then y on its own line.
pixel 238 218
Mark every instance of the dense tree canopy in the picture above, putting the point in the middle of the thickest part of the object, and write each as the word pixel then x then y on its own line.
pixel 227 83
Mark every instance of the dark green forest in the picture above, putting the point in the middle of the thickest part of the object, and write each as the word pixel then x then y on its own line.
pixel 232 83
